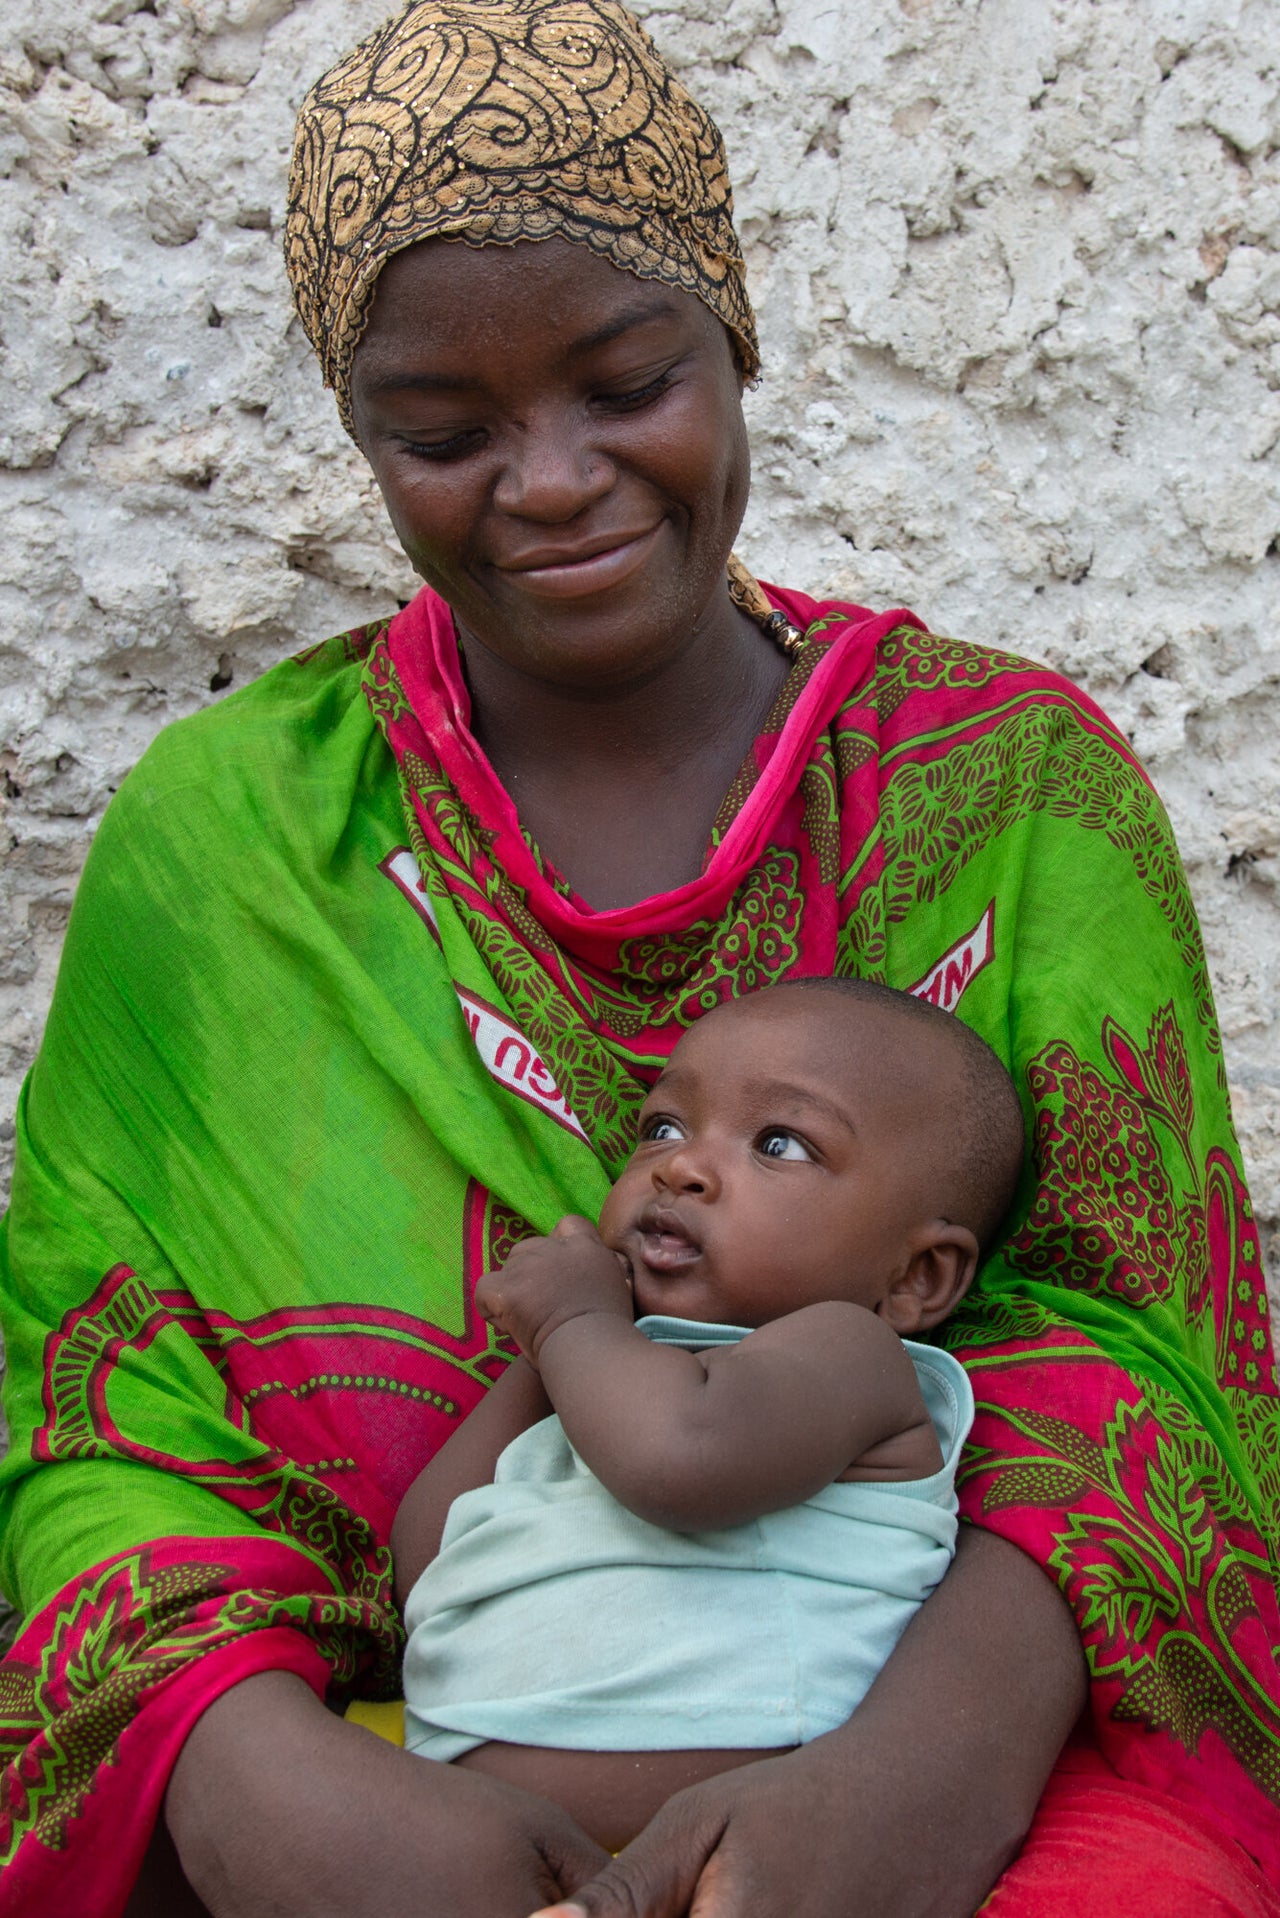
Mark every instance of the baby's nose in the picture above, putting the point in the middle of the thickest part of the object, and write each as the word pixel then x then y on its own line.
pixel 688 1169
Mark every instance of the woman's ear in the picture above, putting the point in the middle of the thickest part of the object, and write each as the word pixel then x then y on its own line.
pixel 939 1271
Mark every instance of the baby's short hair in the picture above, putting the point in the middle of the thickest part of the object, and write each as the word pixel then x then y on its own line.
pixel 989 1132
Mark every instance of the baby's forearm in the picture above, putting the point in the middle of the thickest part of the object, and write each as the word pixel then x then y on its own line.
pixel 632 1410
pixel 696 1441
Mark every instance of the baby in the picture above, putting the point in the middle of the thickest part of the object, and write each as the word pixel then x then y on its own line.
pixel 747 1487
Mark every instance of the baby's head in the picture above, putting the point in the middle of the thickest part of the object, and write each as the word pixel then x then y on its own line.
pixel 824 1139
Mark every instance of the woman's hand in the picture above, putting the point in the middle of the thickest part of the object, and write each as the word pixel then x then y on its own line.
pixel 794 1837
pixel 277 1807
pixel 913 1808
pixel 546 1282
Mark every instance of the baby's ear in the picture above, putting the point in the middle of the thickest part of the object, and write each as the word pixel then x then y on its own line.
pixel 943 1258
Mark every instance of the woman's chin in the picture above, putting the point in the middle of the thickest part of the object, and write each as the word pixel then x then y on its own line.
pixel 622 636
pixel 604 642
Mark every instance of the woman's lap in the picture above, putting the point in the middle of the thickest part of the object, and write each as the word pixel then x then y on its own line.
pixel 1100 1847
pixel 1104 1847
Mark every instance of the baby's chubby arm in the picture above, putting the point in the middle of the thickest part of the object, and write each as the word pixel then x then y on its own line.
pixel 696 1441
pixel 536 1282
pixel 468 1458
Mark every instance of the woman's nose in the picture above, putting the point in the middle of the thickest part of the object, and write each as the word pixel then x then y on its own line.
pixel 552 473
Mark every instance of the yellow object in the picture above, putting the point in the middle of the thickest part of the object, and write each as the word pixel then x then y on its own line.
pixel 387 1720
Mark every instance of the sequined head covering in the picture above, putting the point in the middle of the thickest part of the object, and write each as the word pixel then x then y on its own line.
pixel 493 121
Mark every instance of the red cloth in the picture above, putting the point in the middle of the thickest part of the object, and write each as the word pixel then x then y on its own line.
pixel 1102 1846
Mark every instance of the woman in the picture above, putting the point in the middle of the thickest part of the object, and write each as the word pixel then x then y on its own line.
pixel 367 976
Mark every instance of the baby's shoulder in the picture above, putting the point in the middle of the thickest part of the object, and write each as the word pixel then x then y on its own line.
pixel 834 1345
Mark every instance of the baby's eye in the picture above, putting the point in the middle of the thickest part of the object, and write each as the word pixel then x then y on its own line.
pixel 779 1144
pixel 662 1131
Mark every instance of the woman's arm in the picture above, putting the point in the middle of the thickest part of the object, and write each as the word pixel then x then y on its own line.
pixel 510 1407
pixel 913 1808
pixel 280 1809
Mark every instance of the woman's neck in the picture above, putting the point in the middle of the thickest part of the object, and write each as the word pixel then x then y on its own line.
pixel 620 788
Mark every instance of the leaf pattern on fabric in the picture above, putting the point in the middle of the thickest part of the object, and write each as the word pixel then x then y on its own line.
pixel 1158 1554
pixel 753 947
pixel 1254 1416
pixel 352 648
pixel 909 662
pixel 938 813
pixel 1204 1463
pixel 70 1692
pixel 994 1320
pixel 1105 1214
pixel 1185 1692
pixel 382 685
pixel 323 1367
pixel 821 820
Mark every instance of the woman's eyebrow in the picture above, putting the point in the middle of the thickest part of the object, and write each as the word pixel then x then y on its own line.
pixel 396 380
pixel 636 315
pixel 404 382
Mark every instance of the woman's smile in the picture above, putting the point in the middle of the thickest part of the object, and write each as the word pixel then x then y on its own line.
pixel 564 572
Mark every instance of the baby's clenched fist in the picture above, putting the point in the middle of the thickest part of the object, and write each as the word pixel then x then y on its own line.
pixel 548 1281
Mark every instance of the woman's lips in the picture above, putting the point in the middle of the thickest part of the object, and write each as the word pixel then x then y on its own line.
pixel 596 573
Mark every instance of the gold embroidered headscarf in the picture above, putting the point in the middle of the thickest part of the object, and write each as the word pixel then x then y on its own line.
pixel 501 120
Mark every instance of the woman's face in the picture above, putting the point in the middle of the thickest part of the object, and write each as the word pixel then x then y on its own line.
pixel 561 449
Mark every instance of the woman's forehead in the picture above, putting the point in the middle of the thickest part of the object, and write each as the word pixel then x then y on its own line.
pixel 441 297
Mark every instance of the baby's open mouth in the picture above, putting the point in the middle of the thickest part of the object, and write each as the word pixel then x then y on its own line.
pixel 666 1244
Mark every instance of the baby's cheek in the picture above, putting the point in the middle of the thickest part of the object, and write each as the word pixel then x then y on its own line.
pixel 615 1214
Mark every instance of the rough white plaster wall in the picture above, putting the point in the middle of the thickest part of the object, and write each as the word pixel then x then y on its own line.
pixel 1020 307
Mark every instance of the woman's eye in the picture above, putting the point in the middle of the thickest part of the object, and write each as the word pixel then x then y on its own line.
pixel 639 396
pixel 440 451
pixel 662 1132
pixel 777 1144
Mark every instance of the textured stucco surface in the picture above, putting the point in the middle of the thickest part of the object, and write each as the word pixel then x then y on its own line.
pixel 1020 306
